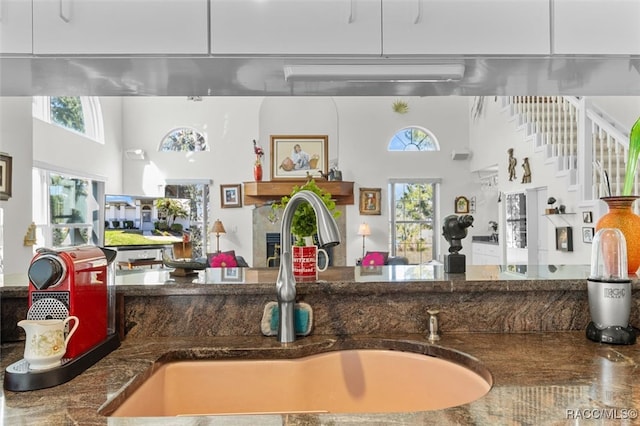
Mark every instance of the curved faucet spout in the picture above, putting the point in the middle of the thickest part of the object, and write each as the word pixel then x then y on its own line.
pixel 328 235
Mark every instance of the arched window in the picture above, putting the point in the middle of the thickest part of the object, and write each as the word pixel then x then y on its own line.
pixel 413 138
pixel 184 139
pixel 78 114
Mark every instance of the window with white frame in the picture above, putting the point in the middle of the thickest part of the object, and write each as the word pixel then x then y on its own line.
pixel 66 209
pixel 184 139
pixel 78 114
pixel 412 219
pixel 413 138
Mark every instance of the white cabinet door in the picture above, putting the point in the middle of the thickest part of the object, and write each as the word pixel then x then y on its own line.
pixel 608 27
pixel 120 27
pixel 15 26
pixel 465 27
pixel 485 254
pixel 295 27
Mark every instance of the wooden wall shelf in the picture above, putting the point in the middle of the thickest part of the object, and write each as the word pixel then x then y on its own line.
pixel 261 192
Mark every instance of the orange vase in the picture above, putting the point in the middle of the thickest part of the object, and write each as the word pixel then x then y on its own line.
pixel 257 172
pixel 621 216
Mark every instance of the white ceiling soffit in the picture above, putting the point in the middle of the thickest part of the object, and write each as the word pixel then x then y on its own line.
pixel 264 76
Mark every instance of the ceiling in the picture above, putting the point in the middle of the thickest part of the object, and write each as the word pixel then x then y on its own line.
pixel 264 76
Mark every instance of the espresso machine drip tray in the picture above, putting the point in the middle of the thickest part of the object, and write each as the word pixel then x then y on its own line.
pixel 18 377
pixel 47 308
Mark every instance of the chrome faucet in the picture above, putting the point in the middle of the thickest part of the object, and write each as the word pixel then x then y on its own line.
pixel 328 235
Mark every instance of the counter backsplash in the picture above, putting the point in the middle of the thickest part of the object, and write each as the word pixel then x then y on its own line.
pixel 345 307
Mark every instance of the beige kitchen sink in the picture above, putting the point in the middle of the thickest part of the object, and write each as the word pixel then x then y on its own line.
pixel 345 381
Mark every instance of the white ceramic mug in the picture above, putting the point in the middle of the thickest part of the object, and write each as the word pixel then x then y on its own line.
pixel 45 344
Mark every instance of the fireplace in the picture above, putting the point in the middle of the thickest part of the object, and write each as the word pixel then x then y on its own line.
pixel 273 251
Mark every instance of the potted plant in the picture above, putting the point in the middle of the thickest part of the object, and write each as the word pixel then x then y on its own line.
pixel 303 224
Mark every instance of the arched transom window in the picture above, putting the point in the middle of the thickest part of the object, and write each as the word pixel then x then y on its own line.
pixel 79 114
pixel 184 139
pixel 413 138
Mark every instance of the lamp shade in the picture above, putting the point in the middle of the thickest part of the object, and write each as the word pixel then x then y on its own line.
pixel 218 227
pixel 364 229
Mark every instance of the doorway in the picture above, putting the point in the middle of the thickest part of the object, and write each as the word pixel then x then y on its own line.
pixel 198 194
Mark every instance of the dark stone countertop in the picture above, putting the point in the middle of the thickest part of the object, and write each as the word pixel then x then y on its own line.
pixel 538 378
pixel 508 318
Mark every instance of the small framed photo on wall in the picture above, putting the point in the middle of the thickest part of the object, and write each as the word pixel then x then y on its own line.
pixel 462 204
pixel 564 238
pixel 370 201
pixel 587 235
pixel 587 217
pixel 5 176
pixel 230 196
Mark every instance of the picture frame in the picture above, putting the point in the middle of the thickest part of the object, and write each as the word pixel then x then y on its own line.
pixel 587 217
pixel 587 235
pixel 293 157
pixel 230 196
pixel 232 275
pixel 370 201
pixel 370 270
pixel 564 238
pixel 461 204
pixel 6 169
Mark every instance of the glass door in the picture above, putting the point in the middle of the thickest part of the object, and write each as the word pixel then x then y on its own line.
pixel 516 219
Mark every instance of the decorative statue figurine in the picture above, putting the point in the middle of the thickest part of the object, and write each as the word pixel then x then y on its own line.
pixel 512 164
pixel 526 173
pixel 454 229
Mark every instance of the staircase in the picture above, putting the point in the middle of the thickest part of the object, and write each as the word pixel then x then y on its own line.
pixel 578 139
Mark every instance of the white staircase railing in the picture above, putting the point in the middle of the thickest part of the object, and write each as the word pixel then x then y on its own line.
pixel 610 148
pixel 581 139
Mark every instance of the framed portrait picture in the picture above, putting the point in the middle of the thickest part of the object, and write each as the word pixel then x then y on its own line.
pixel 587 217
pixel 293 156
pixel 564 238
pixel 5 177
pixel 587 235
pixel 462 204
pixel 370 201
pixel 230 196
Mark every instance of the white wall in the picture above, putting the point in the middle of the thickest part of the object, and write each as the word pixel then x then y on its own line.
pixel 62 150
pixel 365 127
pixel 624 109
pixel 15 140
pixel 496 131
pixel 359 130
pixel 229 123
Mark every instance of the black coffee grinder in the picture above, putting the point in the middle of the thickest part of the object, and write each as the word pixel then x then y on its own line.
pixel 609 290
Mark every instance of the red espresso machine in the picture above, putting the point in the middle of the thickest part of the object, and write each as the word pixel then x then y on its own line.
pixel 78 281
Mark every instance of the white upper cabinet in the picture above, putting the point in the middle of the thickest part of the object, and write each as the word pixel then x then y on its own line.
pixel 296 27
pixel 15 26
pixel 588 27
pixel 441 27
pixel 120 27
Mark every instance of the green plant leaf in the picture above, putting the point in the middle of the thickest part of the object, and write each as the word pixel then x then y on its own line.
pixel 632 160
pixel 303 223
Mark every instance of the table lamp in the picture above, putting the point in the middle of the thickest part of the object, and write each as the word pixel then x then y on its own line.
pixel 364 230
pixel 218 228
